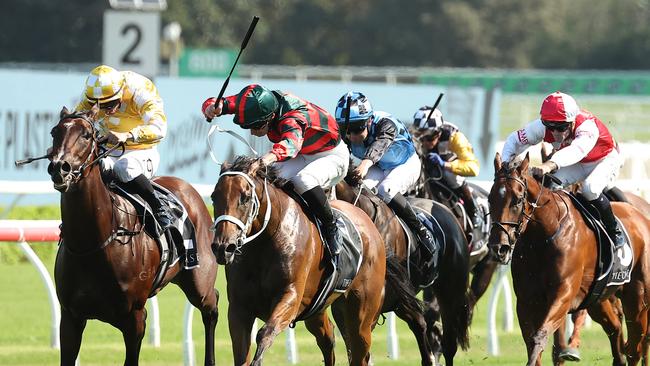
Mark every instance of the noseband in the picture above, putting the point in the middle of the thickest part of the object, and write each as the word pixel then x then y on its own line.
pixel 501 225
pixel 252 213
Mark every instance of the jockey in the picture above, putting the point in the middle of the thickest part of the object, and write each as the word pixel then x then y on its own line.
pixel 307 147
pixel 586 153
pixel 388 159
pixel 448 148
pixel 130 112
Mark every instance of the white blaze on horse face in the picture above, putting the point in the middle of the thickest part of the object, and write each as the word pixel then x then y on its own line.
pixel 502 192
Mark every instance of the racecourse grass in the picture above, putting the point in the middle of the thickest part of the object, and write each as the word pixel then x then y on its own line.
pixel 25 334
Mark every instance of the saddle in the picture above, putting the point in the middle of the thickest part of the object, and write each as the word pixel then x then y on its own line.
pixel 612 268
pixel 176 243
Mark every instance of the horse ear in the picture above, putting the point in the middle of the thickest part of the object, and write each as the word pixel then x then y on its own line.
pixel 64 112
pixel 93 111
pixel 523 166
pixel 497 162
pixel 225 166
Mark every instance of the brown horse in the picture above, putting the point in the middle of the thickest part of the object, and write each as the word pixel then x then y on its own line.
pixel 275 262
pixel 554 259
pixel 450 289
pixel 568 351
pixel 102 275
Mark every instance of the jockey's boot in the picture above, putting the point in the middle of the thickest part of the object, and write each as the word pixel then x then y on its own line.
pixel 607 216
pixel 142 186
pixel 403 209
pixel 320 206
pixel 469 202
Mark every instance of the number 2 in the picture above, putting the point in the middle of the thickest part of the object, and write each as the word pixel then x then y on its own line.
pixel 127 58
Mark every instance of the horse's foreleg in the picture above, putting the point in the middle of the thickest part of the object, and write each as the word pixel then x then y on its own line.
pixel 70 334
pixel 240 324
pixel 579 319
pixel 133 331
pixel 321 327
pixel 482 275
pixel 283 314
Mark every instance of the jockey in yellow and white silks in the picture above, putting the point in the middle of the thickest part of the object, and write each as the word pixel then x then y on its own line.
pixel 131 112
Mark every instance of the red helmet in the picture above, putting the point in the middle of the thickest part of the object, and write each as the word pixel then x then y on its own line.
pixel 559 107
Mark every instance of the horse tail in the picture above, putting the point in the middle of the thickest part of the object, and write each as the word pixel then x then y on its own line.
pixel 462 321
pixel 397 281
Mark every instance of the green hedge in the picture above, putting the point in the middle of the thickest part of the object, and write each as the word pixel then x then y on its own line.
pixel 10 253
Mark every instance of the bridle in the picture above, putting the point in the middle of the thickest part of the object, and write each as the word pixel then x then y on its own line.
pixel 243 239
pixel 78 174
pixel 502 225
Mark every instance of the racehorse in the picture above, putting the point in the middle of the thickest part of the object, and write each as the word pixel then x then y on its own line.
pixel 568 351
pixel 482 265
pixel 450 289
pixel 101 274
pixel 554 258
pixel 275 261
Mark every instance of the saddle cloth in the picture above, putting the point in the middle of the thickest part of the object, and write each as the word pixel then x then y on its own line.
pixel 612 268
pixel 349 263
pixel 182 233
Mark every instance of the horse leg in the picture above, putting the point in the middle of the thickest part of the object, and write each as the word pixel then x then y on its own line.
pixel 321 327
pixel 605 315
pixel 70 334
pixel 133 331
pixel 579 319
pixel 434 330
pixel 418 326
pixel 206 302
pixel 358 327
pixel 282 315
pixel 559 344
pixel 339 318
pixel 636 317
pixel 240 324
pixel 482 275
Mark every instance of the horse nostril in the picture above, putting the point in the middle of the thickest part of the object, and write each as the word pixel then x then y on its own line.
pixel 230 248
pixel 504 249
pixel 65 168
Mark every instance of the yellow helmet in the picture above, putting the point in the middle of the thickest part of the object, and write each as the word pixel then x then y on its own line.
pixel 104 84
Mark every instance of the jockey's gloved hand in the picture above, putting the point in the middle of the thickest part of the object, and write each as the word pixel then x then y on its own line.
pixel 435 159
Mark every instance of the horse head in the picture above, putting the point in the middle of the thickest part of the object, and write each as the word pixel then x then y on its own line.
pixel 236 204
pixel 74 144
pixel 509 202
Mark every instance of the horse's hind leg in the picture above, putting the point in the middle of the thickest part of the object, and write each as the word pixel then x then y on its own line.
pixel 432 317
pixel 635 309
pixel 206 302
pixel 70 334
pixel 418 326
pixel 605 315
pixel 321 327
pixel 133 331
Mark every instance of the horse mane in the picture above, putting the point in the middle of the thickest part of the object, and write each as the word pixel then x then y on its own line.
pixel 250 165
pixel 351 177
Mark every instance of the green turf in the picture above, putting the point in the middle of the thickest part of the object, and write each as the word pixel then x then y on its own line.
pixel 25 329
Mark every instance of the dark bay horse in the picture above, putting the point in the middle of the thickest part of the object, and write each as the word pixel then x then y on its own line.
pixel 428 186
pixel 100 275
pixel 447 298
pixel 275 262
pixel 554 259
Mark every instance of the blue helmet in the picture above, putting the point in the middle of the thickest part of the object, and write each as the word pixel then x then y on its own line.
pixel 360 111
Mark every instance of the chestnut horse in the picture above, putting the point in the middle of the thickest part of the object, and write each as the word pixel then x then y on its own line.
pixel 102 275
pixel 275 262
pixel 450 288
pixel 554 258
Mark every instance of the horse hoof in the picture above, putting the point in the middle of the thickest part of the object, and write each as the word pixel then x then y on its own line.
pixel 569 354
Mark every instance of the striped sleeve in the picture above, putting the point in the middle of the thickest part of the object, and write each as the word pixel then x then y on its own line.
pixel 291 140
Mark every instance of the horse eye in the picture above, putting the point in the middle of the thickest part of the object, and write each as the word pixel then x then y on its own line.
pixel 243 199
pixel 87 135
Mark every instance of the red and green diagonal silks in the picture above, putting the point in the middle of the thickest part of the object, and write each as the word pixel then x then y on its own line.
pixel 304 129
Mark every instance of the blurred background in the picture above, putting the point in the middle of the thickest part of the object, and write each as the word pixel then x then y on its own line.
pixel 494 61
